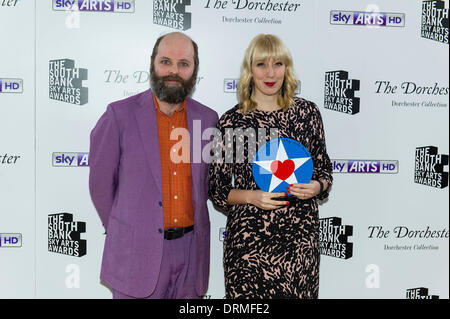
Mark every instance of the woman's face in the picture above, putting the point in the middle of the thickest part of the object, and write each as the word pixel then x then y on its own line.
pixel 268 76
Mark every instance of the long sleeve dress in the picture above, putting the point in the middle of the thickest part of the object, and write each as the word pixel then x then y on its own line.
pixel 269 253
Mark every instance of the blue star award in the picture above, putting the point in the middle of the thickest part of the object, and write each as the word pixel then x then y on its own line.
pixel 281 162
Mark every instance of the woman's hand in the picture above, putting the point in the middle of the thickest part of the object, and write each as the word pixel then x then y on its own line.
pixel 305 191
pixel 258 198
pixel 264 200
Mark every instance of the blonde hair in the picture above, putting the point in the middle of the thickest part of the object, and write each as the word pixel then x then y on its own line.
pixel 262 48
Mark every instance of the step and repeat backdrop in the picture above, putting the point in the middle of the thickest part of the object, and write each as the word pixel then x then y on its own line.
pixel 378 70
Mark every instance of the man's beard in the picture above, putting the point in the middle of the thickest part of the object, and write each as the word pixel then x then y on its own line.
pixel 172 94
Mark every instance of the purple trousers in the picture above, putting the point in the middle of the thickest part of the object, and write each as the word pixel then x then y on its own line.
pixel 177 275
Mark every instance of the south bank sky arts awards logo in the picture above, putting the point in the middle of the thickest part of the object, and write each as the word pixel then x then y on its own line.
pixel 281 162
pixel 429 167
pixel 333 238
pixel 435 21
pixel 66 82
pixel 419 293
pixel 64 235
pixel 114 6
pixel 172 14
pixel 340 92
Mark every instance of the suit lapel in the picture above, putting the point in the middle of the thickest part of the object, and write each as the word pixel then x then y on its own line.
pixel 194 147
pixel 148 128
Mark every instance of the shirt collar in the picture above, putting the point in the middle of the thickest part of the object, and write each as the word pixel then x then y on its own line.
pixel 181 109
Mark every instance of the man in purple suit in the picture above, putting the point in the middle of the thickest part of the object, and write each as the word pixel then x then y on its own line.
pixel 151 199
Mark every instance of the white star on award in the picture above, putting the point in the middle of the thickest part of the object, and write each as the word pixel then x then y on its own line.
pixel 282 156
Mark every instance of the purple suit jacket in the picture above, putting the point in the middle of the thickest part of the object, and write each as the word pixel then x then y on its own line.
pixel 126 189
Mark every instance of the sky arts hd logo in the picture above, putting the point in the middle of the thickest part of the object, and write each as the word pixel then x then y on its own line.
pixel 435 21
pixel 365 166
pixel 378 19
pixel 172 14
pixel 231 86
pixel 340 92
pixel 11 85
pixel 10 240
pixel 333 237
pixel 65 82
pixel 70 159
pixel 119 6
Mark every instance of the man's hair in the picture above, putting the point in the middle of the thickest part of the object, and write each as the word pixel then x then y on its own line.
pixel 155 52
pixel 264 47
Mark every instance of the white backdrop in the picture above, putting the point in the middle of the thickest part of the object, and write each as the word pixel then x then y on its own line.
pixel 395 228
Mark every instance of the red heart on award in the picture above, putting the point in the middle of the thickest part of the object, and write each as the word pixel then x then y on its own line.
pixel 282 170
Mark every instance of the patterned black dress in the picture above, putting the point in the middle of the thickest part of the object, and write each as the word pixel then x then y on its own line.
pixel 269 253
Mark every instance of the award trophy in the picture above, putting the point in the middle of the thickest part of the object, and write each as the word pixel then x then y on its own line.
pixel 279 163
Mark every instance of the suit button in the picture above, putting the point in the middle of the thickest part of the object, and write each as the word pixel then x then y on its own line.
pixel 160 204
pixel 160 231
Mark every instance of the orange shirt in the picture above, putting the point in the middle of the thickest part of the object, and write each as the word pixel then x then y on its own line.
pixel 176 178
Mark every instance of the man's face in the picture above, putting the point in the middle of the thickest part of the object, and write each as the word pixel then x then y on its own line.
pixel 171 75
